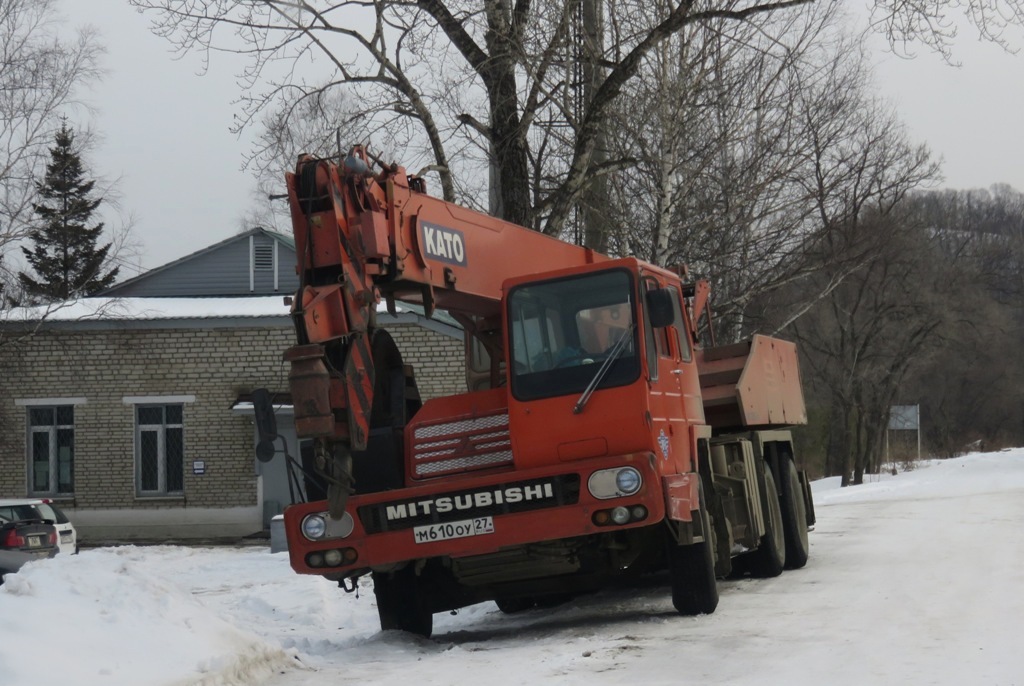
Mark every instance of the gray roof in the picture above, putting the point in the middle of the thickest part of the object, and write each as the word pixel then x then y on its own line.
pixel 256 262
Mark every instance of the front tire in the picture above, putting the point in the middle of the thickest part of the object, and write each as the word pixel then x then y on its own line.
pixel 692 570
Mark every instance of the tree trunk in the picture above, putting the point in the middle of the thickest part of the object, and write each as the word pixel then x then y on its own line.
pixel 838 438
pixel 594 202
pixel 510 167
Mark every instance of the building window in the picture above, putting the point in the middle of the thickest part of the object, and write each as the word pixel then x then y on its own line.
pixel 51 450
pixel 159 449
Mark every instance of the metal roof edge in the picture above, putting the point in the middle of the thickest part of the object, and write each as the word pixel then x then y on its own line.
pixel 123 324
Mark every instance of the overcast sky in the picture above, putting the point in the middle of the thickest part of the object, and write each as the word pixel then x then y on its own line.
pixel 165 130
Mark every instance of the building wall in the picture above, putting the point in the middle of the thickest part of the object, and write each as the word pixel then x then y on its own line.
pixel 438 361
pixel 104 367
pixel 214 365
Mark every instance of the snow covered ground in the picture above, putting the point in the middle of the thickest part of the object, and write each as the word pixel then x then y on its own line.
pixel 914 579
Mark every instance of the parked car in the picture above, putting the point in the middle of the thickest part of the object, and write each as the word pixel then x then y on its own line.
pixel 44 509
pixel 23 539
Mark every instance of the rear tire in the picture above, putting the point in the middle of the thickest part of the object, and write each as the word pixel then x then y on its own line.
pixel 692 570
pixel 794 514
pixel 400 602
pixel 770 557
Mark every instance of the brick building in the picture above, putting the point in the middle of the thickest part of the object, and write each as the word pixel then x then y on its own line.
pixel 126 408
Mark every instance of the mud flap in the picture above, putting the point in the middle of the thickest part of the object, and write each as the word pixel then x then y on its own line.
pixel 808 498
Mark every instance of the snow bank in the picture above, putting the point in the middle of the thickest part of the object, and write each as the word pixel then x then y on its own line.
pixel 974 474
pixel 121 616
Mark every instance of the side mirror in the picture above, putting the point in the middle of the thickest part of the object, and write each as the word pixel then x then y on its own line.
pixel 660 308
pixel 266 424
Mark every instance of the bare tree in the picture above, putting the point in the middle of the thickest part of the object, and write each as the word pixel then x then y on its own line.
pixel 884 321
pixel 41 75
pixel 934 23
pixel 754 142
pixel 482 72
pixel 717 132
pixel 490 78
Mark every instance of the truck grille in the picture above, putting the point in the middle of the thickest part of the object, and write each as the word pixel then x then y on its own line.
pixel 462 445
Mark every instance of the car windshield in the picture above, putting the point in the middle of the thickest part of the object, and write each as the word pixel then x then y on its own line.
pixel 562 330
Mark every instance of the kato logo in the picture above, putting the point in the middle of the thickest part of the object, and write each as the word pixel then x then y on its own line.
pixel 443 244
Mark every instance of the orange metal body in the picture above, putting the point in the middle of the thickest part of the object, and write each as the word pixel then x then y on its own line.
pixel 361 238
pixel 752 384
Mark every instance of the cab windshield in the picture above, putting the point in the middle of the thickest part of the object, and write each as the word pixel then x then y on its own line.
pixel 563 330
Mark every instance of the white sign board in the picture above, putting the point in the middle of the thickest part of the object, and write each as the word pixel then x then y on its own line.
pixel 904 417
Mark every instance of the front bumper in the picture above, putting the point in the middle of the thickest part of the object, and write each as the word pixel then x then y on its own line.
pixel 523 506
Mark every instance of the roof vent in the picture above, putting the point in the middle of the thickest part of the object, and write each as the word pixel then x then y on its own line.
pixel 263 258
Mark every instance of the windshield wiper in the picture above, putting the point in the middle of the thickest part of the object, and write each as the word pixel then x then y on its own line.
pixel 616 350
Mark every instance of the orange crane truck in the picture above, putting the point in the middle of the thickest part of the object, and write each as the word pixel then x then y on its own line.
pixel 600 440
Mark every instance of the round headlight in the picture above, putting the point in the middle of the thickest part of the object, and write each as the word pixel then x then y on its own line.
pixel 313 527
pixel 628 481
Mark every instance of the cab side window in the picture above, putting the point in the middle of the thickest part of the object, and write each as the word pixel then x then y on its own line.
pixel 678 329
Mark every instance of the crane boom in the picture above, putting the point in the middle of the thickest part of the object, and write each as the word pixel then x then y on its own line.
pixel 361 237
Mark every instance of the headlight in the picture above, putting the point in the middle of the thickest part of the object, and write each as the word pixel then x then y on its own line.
pixel 313 527
pixel 614 483
pixel 628 481
pixel 320 526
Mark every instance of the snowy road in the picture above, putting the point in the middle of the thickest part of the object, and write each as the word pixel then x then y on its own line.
pixel 913 580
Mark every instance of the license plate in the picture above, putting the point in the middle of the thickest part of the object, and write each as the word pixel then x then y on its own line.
pixel 65 537
pixel 34 541
pixel 449 530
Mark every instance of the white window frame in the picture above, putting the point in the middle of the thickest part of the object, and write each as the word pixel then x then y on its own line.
pixel 138 402
pixel 52 489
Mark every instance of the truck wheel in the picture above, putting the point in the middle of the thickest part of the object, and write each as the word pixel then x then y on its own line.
pixel 400 602
pixel 770 557
pixel 794 514
pixel 692 570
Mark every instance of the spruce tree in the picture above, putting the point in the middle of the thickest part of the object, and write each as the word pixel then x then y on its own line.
pixel 64 256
